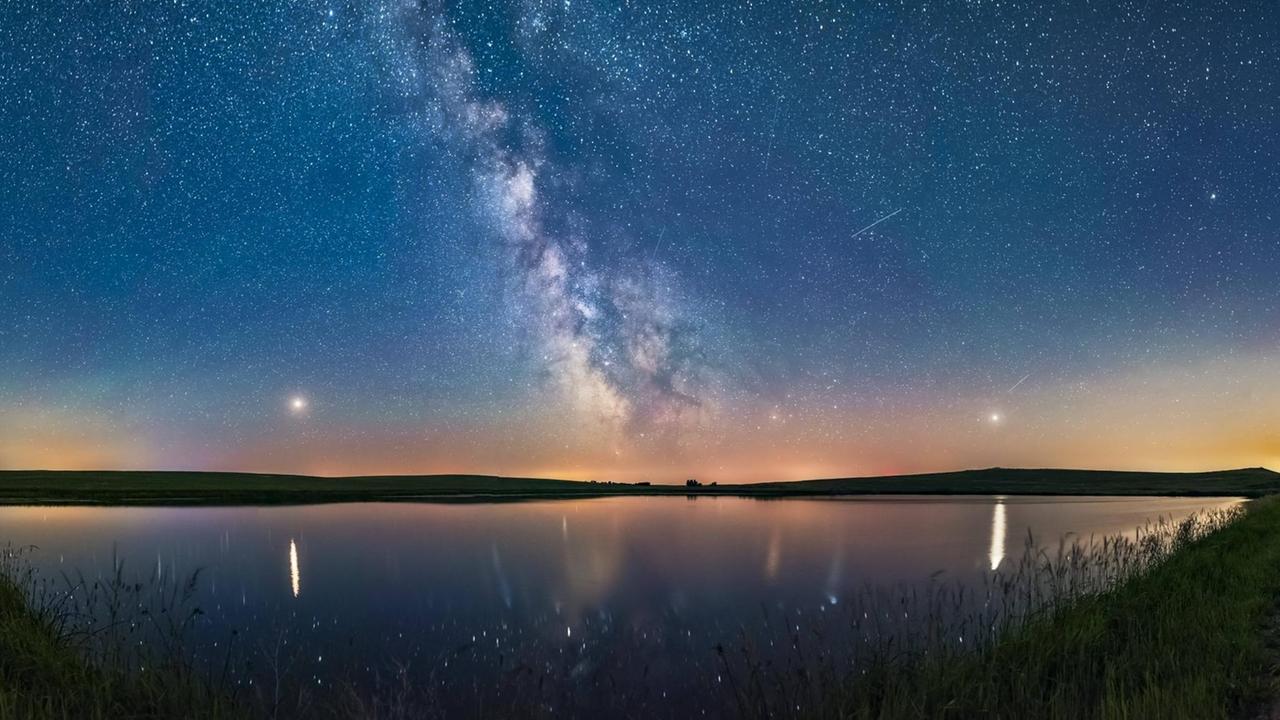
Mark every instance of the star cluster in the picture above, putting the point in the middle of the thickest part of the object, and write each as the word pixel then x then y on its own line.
pixel 639 240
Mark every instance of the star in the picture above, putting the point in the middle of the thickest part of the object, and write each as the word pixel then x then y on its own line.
pixel 462 216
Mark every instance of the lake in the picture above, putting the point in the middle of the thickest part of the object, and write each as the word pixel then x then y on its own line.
pixel 606 605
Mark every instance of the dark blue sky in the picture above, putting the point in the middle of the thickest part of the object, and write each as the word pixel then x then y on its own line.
pixel 602 239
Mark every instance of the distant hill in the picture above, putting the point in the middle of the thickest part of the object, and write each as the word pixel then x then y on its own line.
pixel 37 487
pixel 1033 481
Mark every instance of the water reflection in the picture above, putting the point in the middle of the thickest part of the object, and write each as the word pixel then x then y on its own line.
pixel 998 532
pixel 504 586
pixel 835 573
pixel 295 577
pixel 773 556
pixel 636 589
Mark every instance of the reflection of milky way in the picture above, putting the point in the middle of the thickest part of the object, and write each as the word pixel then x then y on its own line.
pixel 592 568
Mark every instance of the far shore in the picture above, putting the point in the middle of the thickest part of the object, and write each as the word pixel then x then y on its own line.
pixel 42 487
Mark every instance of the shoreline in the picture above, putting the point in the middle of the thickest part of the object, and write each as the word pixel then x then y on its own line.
pixel 204 489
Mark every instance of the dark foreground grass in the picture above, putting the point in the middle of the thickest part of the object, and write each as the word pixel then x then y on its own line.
pixel 1186 639
pixel 48 669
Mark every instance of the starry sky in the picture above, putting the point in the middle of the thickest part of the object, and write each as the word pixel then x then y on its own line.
pixel 615 240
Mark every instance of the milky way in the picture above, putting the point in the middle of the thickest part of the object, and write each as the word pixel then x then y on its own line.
pixel 606 333
pixel 593 239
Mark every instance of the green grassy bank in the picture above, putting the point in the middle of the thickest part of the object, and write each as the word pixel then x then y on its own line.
pixel 28 487
pixel 45 672
pixel 1188 639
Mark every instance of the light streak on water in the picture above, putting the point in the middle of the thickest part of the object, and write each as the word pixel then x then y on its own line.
pixel 295 577
pixel 998 531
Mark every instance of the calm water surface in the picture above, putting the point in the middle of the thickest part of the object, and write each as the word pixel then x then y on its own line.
pixel 592 594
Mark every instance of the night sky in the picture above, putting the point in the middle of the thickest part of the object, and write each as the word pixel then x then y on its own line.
pixel 736 241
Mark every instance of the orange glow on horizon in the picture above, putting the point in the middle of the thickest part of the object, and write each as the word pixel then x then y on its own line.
pixel 1214 414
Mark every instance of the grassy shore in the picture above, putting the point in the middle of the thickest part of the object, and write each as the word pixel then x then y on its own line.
pixel 1188 639
pixel 49 669
pixel 205 488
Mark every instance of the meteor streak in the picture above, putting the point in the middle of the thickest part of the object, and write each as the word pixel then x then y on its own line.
pixel 877 222
pixel 1015 385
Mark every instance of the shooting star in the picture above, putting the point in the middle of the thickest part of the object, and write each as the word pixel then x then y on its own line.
pixel 654 253
pixel 886 217
pixel 773 129
pixel 1015 385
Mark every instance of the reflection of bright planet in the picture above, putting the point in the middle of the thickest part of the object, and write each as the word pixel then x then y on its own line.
pixel 295 577
pixel 995 417
pixel 298 404
pixel 998 531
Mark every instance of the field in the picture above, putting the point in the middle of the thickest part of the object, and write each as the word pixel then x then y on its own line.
pixel 205 488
